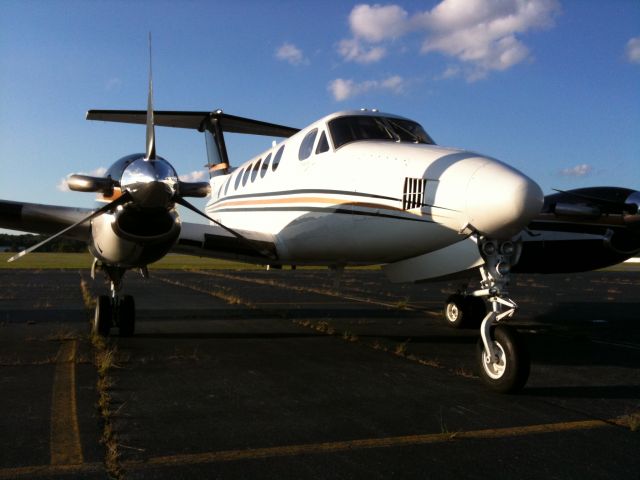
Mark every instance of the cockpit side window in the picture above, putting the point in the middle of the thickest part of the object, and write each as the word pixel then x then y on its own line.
pixel 323 144
pixel 306 147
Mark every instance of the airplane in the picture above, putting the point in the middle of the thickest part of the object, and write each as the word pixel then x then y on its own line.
pixel 352 188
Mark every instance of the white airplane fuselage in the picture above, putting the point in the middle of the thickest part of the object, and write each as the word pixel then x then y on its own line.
pixel 370 201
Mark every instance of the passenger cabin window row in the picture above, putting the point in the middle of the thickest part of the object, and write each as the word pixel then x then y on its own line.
pixel 343 130
pixel 260 166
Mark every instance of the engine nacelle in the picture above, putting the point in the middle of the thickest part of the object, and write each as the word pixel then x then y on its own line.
pixel 133 238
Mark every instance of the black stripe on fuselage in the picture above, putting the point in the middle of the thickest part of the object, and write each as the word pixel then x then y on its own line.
pixel 342 211
pixel 307 191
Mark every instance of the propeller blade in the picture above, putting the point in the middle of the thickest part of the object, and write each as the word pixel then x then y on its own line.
pixel 87 183
pixel 125 197
pixel 151 135
pixel 194 189
pixel 244 239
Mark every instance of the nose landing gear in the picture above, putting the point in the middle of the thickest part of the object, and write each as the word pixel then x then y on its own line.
pixel 114 310
pixel 504 360
pixel 502 356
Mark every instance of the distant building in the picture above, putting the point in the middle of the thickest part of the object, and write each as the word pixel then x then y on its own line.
pixel 4 249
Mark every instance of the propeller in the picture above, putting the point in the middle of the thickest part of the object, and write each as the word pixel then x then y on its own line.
pixel 147 183
pixel 604 200
pixel 124 198
pixel 87 183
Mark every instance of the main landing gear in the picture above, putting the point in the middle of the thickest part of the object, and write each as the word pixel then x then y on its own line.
pixel 114 310
pixel 502 356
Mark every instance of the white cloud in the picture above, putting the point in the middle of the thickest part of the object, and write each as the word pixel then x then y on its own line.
pixel 581 170
pixel 98 172
pixel 288 52
pixel 633 50
pixel 352 49
pixel 342 89
pixel 376 23
pixel 481 34
pixel 195 176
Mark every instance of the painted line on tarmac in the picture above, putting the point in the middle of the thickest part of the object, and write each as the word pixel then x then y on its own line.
pixel 65 446
pixel 183 460
pixel 353 445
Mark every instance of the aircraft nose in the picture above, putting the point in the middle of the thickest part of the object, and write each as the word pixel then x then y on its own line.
pixel 501 201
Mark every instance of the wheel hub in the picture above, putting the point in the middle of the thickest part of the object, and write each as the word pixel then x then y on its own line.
pixel 494 367
pixel 452 312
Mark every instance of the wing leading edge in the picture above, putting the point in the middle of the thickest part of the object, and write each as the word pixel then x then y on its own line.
pixel 46 219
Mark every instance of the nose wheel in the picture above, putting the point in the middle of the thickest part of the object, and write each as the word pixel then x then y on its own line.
pixel 119 312
pixel 114 310
pixel 508 370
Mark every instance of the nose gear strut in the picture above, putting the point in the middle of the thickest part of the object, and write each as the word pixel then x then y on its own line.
pixel 504 362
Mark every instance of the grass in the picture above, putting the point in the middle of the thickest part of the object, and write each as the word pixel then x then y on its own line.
pixel 173 261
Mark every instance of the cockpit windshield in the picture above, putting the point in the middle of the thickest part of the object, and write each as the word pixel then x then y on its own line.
pixel 365 127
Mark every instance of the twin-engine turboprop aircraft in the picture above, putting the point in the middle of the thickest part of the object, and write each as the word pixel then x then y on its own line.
pixel 353 188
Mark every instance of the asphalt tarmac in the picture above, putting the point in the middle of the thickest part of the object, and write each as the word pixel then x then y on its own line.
pixel 286 374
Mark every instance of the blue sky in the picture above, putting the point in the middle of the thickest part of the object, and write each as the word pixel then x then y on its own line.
pixel 550 87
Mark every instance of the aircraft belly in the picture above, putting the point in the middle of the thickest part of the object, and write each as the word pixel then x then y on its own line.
pixel 358 239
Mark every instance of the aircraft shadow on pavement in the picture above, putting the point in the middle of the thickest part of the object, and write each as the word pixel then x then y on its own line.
pixel 225 335
pixel 588 312
pixel 610 392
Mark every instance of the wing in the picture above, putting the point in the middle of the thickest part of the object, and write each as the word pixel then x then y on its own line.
pixel 214 241
pixel 195 120
pixel 47 219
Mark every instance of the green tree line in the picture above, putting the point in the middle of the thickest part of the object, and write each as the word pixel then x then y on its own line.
pixel 16 243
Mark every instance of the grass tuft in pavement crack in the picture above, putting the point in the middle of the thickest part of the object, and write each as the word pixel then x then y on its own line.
pixel 105 360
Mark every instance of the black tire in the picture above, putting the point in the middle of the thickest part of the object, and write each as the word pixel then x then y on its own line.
pixel 511 374
pixel 103 316
pixel 127 316
pixel 455 312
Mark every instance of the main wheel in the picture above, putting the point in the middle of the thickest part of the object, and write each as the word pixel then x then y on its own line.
pixel 103 316
pixel 127 316
pixel 510 372
pixel 455 312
